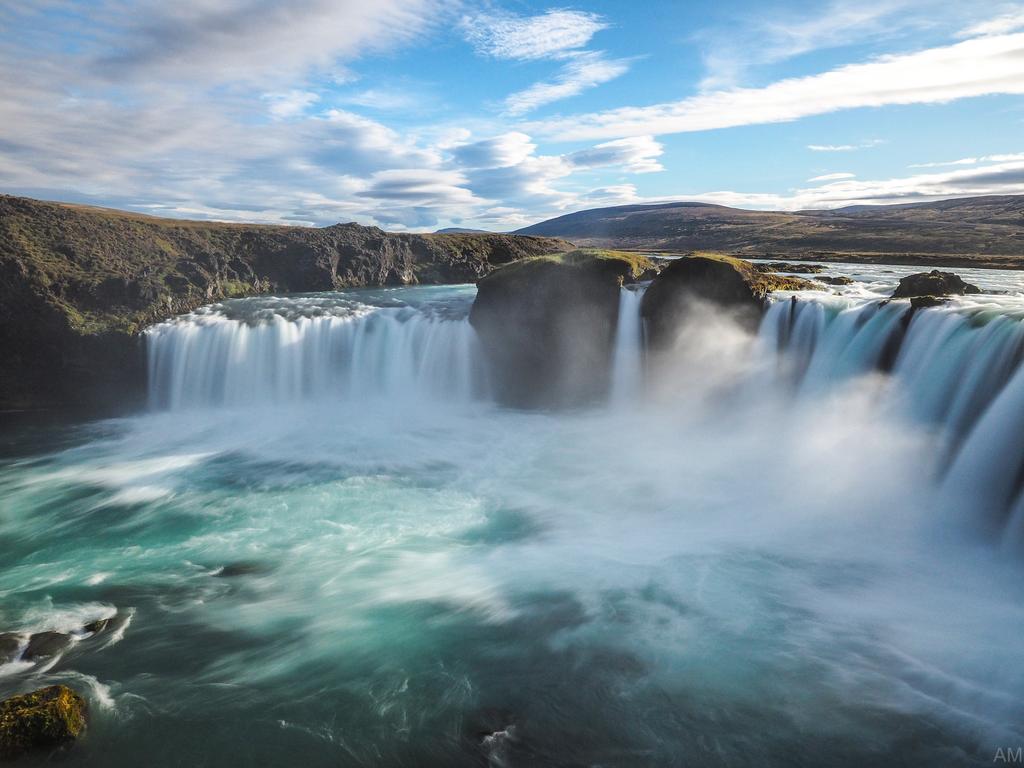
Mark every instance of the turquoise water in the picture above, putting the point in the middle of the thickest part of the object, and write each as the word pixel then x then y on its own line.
pixel 697 577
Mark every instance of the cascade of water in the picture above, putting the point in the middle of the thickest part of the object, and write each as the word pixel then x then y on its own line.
pixel 957 370
pixel 209 358
pixel 627 357
pixel 951 367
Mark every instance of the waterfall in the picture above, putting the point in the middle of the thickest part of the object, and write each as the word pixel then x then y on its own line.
pixel 627 354
pixel 955 369
pixel 294 352
pixel 947 365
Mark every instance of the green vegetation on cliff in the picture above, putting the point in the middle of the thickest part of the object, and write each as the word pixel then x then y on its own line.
pixel 77 284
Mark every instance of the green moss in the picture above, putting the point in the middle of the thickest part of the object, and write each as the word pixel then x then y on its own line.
pixel 42 719
pixel 766 281
pixel 235 288
pixel 638 263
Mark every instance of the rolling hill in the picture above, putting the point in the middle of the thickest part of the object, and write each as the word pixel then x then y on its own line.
pixel 976 231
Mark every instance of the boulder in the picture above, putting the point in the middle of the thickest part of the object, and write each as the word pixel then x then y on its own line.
pixel 45 719
pixel 547 325
pixel 934 283
pixel 10 643
pixel 722 281
pixel 837 280
pixel 110 625
pixel 45 645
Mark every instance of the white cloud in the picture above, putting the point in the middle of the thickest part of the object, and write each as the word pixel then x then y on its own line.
pixel 1008 22
pixel 499 152
pixel 585 70
pixel 615 194
pixel 382 99
pixel 972 161
pixel 247 40
pixel 977 67
pixel 844 147
pixel 1002 179
pixel 776 35
pixel 557 35
pixel 290 103
pixel 506 168
pixel 549 35
pixel 418 186
pixel 833 177
pixel 636 154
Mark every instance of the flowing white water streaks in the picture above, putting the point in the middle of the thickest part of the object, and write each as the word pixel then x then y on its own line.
pixel 214 358
pixel 627 356
pixel 949 366
pixel 952 367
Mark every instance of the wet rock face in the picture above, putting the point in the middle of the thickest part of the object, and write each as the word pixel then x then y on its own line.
pixel 720 281
pixel 934 283
pixel 10 644
pixel 45 719
pixel 548 326
pixel 46 645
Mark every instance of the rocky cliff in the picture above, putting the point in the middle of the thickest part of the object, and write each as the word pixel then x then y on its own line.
pixel 77 284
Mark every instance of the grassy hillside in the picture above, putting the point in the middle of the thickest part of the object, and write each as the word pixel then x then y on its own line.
pixel 980 231
pixel 77 284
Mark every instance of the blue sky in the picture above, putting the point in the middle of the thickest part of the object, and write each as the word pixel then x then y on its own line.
pixel 419 114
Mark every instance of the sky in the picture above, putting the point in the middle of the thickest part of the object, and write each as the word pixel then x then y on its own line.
pixel 421 114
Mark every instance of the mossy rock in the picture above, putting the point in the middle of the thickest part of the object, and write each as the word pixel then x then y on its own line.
pixel 547 324
pixel 924 302
pixel 935 283
pixel 710 279
pixel 45 719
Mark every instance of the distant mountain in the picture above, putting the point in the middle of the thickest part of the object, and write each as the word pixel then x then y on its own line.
pixel 461 231
pixel 988 227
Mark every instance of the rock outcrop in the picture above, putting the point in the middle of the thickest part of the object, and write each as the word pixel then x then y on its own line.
pixel 77 284
pixel 702 279
pixel 45 719
pixel 548 325
pixel 934 283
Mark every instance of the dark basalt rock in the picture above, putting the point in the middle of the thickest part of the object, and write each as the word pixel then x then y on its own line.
pixel 934 283
pixel 9 645
pixel 45 645
pixel 548 325
pixel 722 281
pixel 837 280
pixel 105 626
pixel 923 302
pixel 45 719
pixel 242 568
